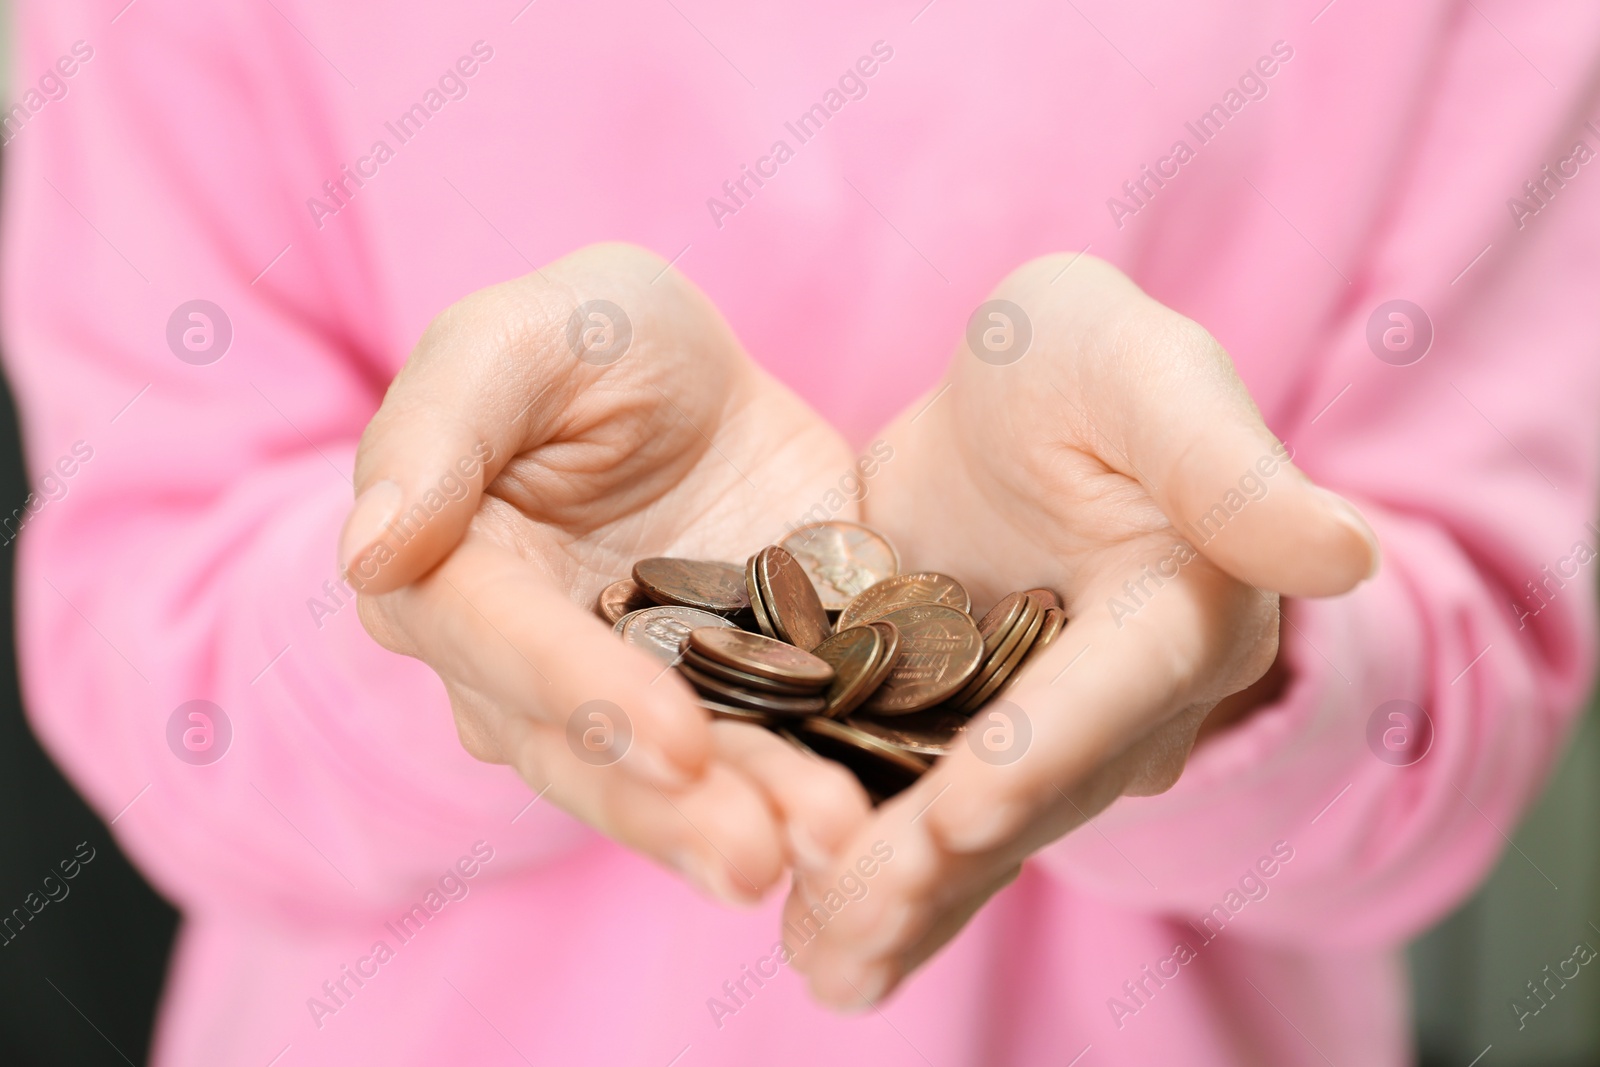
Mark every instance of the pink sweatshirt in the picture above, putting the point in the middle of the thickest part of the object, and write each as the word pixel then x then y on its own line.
pixel 846 180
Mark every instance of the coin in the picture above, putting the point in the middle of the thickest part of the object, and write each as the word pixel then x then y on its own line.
pixel 790 736
pixel 724 693
pixel 928 733
pixel 859 665
pixel 741 680
pixel 923 587
pixel 693 583
pixel 661 630
pixel 1001 618
pixel 756 654
pixel 886 658
pixel 619 598
pixel 791 602
pixel 939 650
pixel 730 713
pixel 842 559
pixel 882 769
pixel 1055 620
pixel 886 693
pixel 758 607
pixel 1049 597
pixel 1001 676
pixel 822 733
pixel 999 645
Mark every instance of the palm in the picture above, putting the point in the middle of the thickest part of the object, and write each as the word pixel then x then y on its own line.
pixel 1036 504
pixel 662 454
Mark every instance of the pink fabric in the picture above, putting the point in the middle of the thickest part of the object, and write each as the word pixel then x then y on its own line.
pixel 180 561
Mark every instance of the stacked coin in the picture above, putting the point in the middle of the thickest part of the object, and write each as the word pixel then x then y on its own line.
pixel 737 673
pixel 821 639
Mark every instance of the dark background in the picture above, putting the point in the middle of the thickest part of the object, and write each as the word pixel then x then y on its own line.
pixel 78 984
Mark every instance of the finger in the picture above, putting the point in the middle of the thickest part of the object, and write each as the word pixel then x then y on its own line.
pixel 491 376
pixel 818 802
pixel 717 831
pixel 1176 417
pixel 850 976
pixel 844 928
pixel 1069 726
pixel 954 917
pixel 486 621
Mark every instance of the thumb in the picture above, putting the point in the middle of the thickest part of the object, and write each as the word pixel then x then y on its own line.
pixel 1228 485
pixel 457 412
pixel 1157 384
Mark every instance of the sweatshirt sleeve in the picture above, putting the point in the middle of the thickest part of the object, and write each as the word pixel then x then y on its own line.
pixel 1477 467
pixel 192 467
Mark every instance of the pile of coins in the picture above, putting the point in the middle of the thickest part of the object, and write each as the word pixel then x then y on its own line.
pixel 821 639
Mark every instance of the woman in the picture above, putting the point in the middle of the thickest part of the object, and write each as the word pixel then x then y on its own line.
pixel 229 232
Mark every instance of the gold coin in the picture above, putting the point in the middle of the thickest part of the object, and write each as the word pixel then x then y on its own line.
pixel 922 587
pixel 858 662
pixel 998 681
pixel 742 680
pixel 731 713
pixel 756 654
pixel 693 583
pixel 1049 597
pixel 1000 645
pixel 772 703
pixel 791 602
pixel 940 648
pixel 619 598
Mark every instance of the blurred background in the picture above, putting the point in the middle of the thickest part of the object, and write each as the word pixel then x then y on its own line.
pixel 79 983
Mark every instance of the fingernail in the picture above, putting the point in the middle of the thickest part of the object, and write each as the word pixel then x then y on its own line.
pixel 809 857
pixel 374 510
pixel 650 765
pixel 1346 513
pixel 981 831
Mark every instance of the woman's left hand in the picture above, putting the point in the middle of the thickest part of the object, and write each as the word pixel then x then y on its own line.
pixel 1092 441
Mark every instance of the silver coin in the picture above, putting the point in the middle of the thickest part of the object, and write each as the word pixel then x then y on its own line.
pixel 662 630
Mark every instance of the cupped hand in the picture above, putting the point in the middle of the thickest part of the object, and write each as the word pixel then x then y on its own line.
pixel 1089 440
pixel 545 434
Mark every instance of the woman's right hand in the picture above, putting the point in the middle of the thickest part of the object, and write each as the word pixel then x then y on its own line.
pixel 545 434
